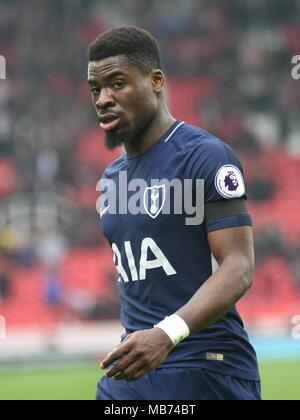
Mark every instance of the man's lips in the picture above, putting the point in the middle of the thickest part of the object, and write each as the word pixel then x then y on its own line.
pixel 109 121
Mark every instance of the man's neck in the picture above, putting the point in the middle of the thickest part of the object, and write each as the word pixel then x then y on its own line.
pixel 150 135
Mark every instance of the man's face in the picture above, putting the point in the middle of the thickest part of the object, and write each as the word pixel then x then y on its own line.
pixel 124 98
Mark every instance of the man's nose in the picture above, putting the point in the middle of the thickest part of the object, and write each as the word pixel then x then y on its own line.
pixel 105 99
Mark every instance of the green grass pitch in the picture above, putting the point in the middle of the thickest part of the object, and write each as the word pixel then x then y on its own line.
pixel 280 381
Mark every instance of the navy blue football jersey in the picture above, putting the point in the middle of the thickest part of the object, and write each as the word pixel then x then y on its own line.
pixel 162 256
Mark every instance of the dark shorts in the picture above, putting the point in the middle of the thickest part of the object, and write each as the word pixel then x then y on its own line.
pixel 180 384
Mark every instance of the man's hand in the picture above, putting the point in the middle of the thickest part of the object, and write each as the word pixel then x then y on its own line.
pixel 138 354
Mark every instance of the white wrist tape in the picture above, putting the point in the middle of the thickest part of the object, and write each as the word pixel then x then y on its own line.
pixel 175 327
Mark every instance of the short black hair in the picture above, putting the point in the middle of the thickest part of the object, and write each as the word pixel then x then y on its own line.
pixel 138 45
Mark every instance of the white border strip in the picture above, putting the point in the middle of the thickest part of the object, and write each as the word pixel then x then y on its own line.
pixel 179 125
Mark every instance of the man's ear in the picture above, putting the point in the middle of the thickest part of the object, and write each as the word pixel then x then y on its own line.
pixel 158 80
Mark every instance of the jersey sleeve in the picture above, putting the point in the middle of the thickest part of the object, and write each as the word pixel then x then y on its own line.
pixel 217 164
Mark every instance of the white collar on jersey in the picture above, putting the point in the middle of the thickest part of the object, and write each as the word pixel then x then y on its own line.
pixel 175 129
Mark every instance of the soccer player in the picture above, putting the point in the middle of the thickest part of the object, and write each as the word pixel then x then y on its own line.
pixel 183 338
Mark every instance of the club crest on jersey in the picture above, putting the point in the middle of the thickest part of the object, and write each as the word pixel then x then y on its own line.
pixel 229 182
pixel 154 200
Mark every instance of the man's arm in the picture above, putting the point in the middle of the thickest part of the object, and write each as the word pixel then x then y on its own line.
pixel 234 252
pixel 145 350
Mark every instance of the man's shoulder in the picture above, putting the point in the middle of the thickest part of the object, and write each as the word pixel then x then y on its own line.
pixel 203 154
pixel 196 139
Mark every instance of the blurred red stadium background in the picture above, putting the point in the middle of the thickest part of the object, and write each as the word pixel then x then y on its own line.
pixel 229 71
